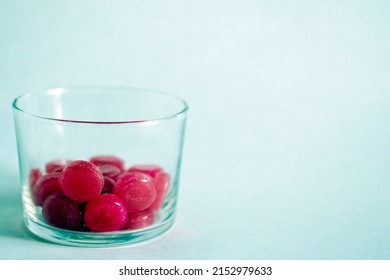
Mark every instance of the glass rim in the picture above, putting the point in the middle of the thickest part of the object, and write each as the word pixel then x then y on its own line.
pixel 64 89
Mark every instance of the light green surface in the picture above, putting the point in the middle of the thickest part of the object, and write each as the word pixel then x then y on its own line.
pixel 287 150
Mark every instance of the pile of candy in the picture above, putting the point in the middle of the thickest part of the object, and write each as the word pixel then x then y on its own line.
pixel 100 194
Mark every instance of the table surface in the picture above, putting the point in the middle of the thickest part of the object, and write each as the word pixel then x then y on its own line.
pixel 287 147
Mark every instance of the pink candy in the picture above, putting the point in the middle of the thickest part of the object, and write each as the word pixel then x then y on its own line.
pixel 34 176
pixel 56 165
pixel 149 169
pixel 162 183
pixel 99 195
pixel 137 191
pixel 46 185
pixel 106 159
pixel 142 219
pixel 105 213
pixel 81 180
pixel 110 170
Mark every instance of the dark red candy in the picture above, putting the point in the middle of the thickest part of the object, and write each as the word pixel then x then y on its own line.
pixel 56 165
pixel 105 213
pixel 34 176
pixel 150 169
pixel 110 170
pixel 162 183
pixel 108 159
pixel 136 190
pixel 108 185
pixel 60 211
pixel 138 220
pixel 81 180
pixel 46 185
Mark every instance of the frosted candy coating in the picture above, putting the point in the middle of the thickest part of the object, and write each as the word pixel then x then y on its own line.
pixel 137 220
pixel 46 185
pixel 108 159
pixel 136 190
pixel 105 213
pixel 60 211
pixel 81 180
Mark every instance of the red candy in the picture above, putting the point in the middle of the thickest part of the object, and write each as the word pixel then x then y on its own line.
pixel 34 176
pixel 99 195
pixel 105 213
pixel 110 170
pixel 160 178
pixel 136 190
pixel 56 165
pixel 46 185
pixel 106 159
pixel 60 211
pixel 150 169
pixel 122 174
pixel 137 220
pixel 162 183
pixel 81 180
pixel 108 185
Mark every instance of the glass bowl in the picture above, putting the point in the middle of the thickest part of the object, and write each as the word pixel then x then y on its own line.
pixel 77 145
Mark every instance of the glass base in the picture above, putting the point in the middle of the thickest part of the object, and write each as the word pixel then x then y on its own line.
pixel 93 239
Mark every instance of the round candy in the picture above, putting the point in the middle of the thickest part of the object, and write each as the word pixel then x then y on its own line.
pixel 108 185
pixel 136 190
pixel 162 183
pixel 110 170
pixel 60 211
pixel 150 169
pixel 46 185
pixel 122 174
pixel 81 180
pixel 56 165
pixel 105 213
pixel 107 159
pixel 34 176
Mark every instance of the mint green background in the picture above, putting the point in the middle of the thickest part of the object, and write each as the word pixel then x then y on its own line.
pixel 287 150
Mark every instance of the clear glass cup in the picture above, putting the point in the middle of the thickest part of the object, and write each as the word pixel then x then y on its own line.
pixel 141 127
